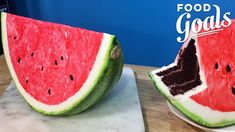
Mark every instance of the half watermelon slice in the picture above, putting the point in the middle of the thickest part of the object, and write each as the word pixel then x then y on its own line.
pixel 58 69
pixel 201 81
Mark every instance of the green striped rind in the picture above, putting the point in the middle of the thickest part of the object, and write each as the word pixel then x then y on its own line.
pixel 106 78
pixel 196 118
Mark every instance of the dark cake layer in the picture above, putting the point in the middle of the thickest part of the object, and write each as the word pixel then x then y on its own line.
pixel 184 76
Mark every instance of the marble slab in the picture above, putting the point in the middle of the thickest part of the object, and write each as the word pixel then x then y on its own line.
pixel 119 111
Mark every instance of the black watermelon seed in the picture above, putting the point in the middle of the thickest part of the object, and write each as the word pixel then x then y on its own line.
pixel 62 58
pixel 216 65
pixel 32 54
pixel 49 91
pixel 56 62
pixel 19 59
pixel 15 37
pixel 26 81
pixel 233 90
pixel 42 68
pixel 228 68
pixel 71 77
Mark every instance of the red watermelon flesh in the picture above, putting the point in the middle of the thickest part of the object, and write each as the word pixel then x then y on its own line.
pixel 217 58
pixel 69 62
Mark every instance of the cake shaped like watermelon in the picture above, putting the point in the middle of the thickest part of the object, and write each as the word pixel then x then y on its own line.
pixel 58 69
pixel 201 81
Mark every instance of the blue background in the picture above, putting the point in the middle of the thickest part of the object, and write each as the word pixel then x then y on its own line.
pixel 145 28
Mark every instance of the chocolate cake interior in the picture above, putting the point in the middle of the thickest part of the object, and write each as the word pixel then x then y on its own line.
pixel 185 75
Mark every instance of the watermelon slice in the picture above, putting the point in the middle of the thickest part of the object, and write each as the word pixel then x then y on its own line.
pixel 201 81
pixel 58 69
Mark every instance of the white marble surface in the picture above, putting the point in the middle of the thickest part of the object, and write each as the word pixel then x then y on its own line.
pixel 119 111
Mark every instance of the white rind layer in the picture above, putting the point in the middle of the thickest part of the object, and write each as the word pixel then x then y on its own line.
pixel 84 90
pixel 207 114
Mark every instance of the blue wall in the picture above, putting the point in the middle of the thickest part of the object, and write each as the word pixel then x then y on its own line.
pixel 145 28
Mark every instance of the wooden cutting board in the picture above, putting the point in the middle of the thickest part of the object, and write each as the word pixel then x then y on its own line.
pixel 119 111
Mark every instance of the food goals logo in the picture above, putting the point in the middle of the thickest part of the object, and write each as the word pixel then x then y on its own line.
pixel 213 23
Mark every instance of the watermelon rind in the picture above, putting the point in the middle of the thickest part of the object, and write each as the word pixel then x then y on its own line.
pixel 105 73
